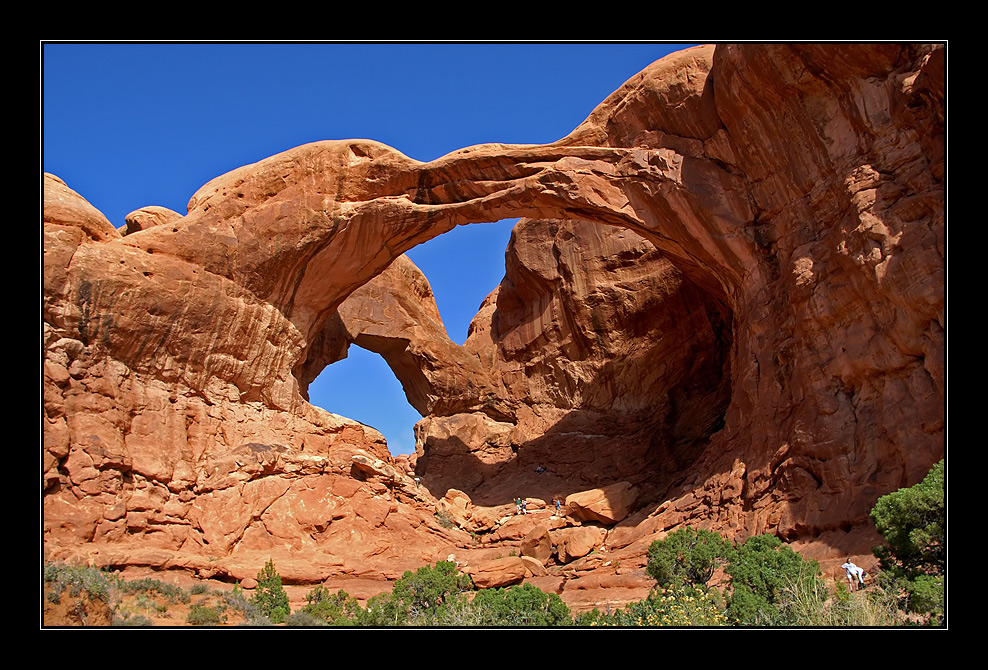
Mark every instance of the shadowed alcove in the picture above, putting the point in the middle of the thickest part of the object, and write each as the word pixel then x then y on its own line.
pixel 594 361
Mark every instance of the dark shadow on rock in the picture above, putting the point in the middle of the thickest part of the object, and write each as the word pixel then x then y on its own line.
pixel 651 445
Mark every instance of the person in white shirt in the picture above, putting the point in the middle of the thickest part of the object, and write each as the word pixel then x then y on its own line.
pixel 855 575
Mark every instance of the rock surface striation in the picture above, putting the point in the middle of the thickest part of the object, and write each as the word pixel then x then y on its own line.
pixel 724 306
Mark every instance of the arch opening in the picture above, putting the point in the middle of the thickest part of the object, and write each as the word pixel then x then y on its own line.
pixel 363 387
pixel 604 362
pixel 602 326
pixel 372 380
pixel 463 266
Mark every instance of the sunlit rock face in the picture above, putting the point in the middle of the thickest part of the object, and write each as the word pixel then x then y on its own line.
pixel 726 295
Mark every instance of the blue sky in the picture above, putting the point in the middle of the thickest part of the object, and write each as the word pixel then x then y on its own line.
pixel 130 125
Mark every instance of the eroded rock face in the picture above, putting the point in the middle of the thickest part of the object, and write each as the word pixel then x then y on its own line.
pixel 727 295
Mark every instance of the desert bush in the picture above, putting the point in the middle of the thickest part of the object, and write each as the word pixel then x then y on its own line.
pixel 270 598
pixel 524 605
pixel 927 596
pixel 238 602
pixel 687 556
pixel 204 615
pixel 445 519
pixel 76 581
pixel 418 598
pixel 912 522
pixel 679 605
pixel 913 562
pixel 78 595
pixel 438 596
pixel 149 587
pixel 763 571
pixel 331 608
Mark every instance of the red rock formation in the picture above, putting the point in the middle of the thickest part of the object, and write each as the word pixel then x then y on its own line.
pixel 609 366
pixel 729 294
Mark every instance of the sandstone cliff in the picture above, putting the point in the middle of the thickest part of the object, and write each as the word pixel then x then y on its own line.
pixel 724 306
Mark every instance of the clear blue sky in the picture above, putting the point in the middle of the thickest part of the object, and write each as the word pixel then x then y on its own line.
pixel 130 125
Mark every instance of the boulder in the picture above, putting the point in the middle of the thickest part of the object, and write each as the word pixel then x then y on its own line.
pixel 497 573
pixel 533 567
pixel 573 543
pixel 608 505
pixel 537 544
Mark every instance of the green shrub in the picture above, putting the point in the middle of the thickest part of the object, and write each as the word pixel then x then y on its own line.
pixel 912 521
pixel 333 608
pixel 913 558
pixel 926 596
pixel 687 556
pixel 270 598
pixel 680 605
pixel 235 600
pixel 763 573
pixel 203 615
pixel 524 605
pixel 381 610
pixel 427 596
pixel 764 576
pixel 421 596
pixel 148 587
pixel 93 583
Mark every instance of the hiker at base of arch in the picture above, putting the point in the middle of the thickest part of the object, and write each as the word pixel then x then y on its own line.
pixel 855 575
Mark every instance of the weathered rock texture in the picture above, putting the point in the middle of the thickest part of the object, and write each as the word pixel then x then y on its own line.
pixel 724 306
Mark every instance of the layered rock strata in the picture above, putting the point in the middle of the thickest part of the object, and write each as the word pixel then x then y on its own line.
pixel 727 296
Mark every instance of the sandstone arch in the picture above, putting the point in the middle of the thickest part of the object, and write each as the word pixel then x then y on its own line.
pixel 798 189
